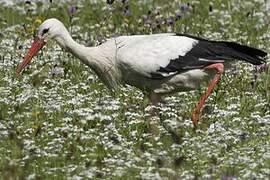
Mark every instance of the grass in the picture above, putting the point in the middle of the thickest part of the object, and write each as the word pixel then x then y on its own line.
pixel 68 125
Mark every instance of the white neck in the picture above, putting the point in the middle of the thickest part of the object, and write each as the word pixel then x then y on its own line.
pixel 94 57
pixel 65 41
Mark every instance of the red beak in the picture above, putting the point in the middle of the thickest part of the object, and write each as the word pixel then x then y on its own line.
pixel 36 46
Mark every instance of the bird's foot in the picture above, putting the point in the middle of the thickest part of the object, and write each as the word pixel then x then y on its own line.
pixel 195 118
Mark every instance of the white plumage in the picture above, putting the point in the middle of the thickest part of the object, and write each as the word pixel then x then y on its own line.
pixel 146 54
pixel 158 64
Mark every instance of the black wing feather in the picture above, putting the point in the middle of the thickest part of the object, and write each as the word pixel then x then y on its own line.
pixel 207 52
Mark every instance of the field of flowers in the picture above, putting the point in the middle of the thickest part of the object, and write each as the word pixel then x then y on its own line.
pixel 58 121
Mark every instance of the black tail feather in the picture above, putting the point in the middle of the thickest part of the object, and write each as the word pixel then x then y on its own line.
pixel 223 50
pixel 241 52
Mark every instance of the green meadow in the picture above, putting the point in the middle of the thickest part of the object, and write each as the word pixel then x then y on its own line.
pixel 58 121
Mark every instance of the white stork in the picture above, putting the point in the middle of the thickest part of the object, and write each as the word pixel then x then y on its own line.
pixel 158 64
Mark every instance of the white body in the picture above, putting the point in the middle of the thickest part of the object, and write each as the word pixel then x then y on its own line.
pixel 132 59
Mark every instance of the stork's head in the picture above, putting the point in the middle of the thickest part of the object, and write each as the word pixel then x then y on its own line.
pixel 49 29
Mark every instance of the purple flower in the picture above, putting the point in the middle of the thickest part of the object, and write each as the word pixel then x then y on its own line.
pixel 184 7
pixel 170 21
pixel 227 177
pixel 72 10
pixel 127 11
pixel 261 68
pixel 178 15
pixel 146 20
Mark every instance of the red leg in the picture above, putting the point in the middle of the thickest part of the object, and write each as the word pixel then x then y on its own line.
pixel 219 67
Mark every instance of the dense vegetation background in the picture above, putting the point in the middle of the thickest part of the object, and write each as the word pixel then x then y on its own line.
pixel 58 121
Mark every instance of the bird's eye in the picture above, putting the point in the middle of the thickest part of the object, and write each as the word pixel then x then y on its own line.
pixel 45 31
